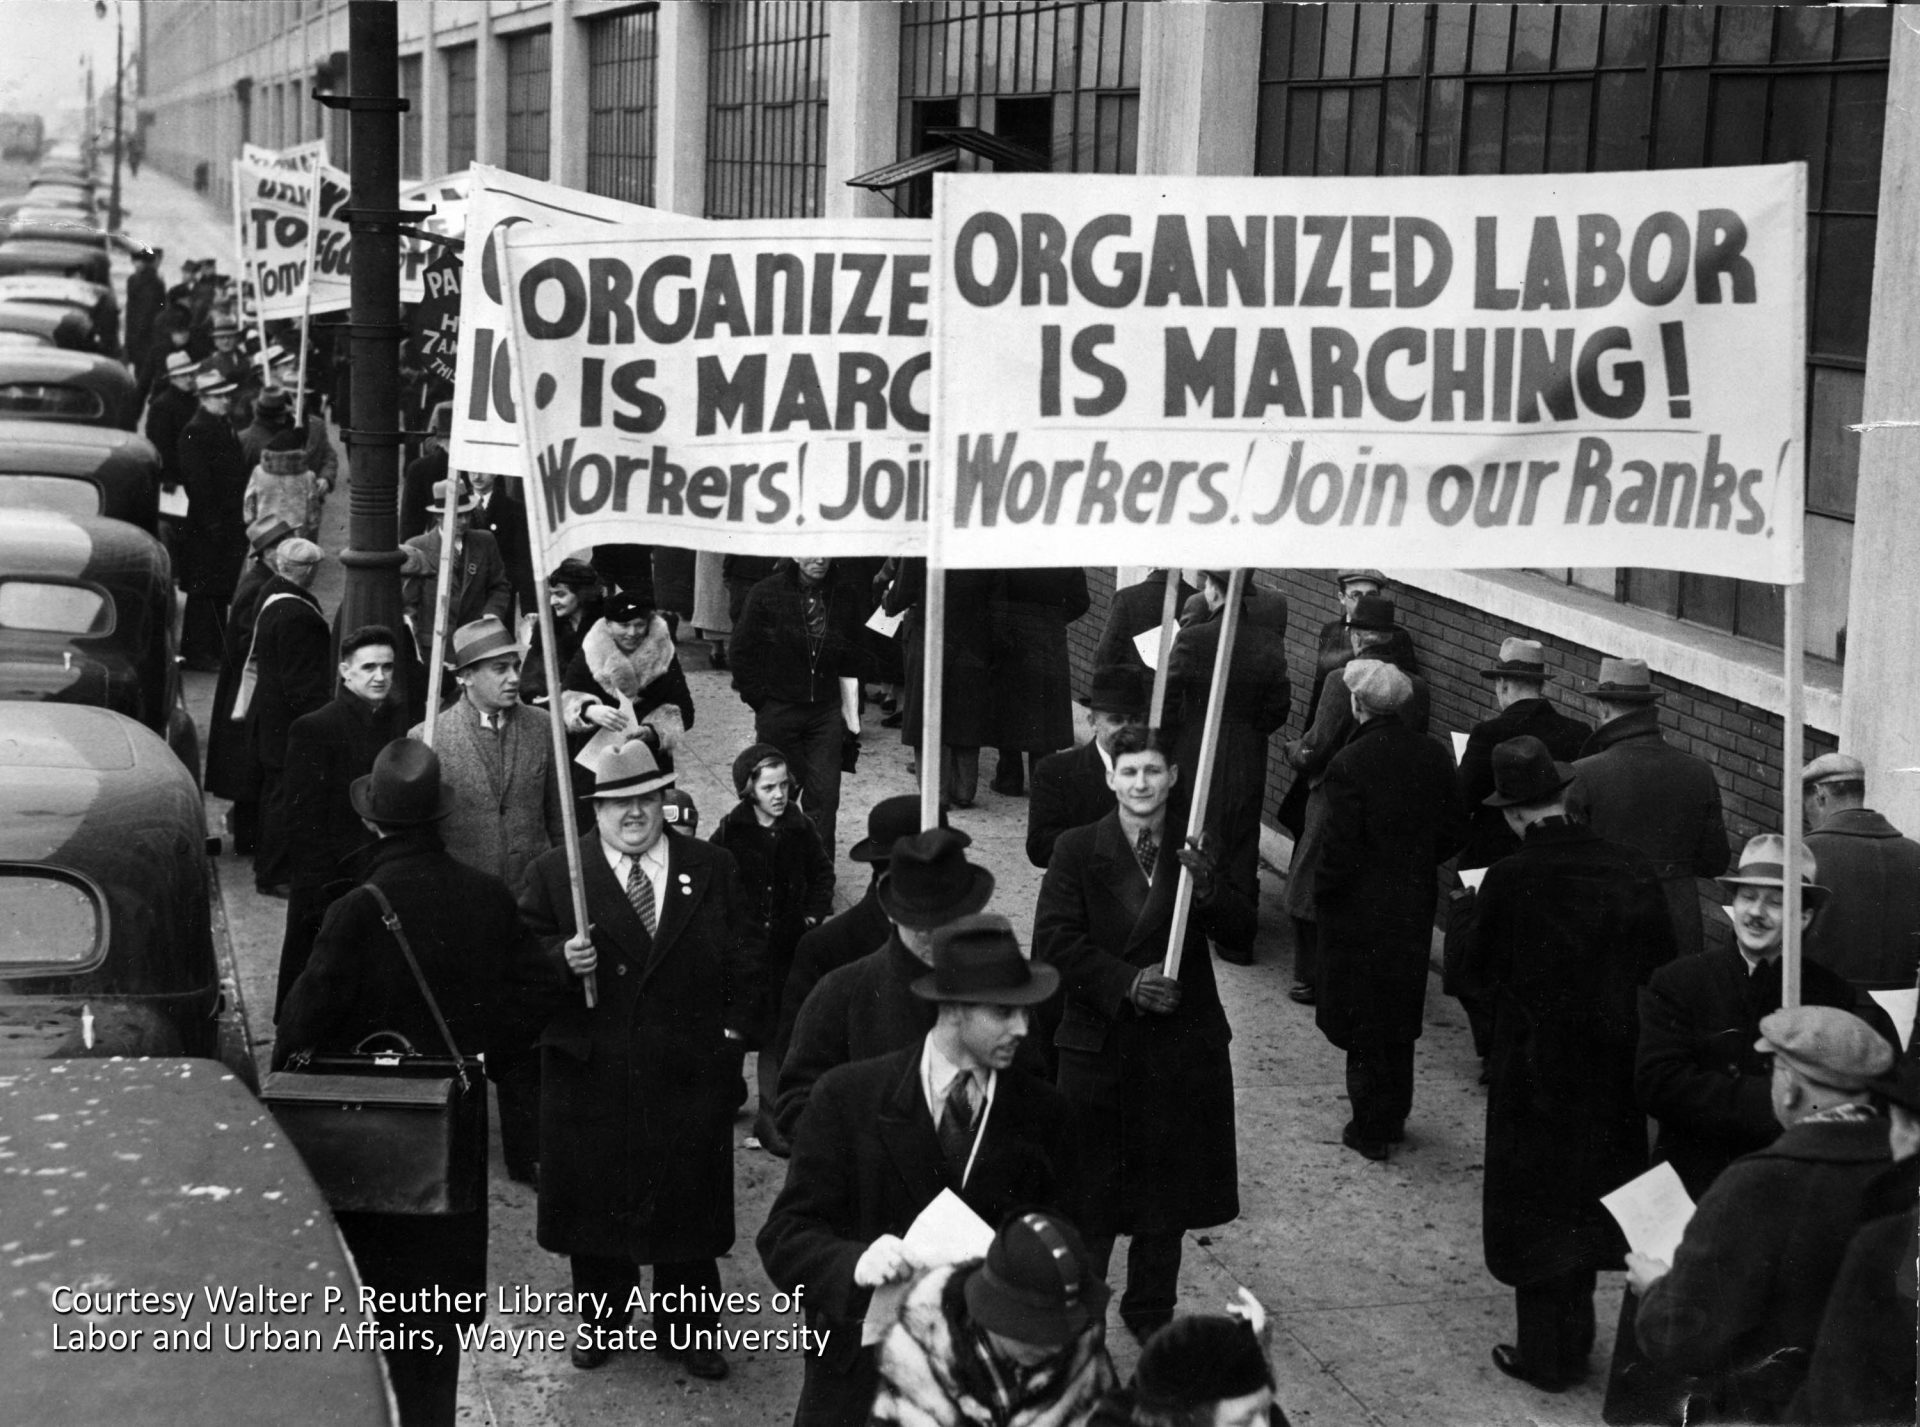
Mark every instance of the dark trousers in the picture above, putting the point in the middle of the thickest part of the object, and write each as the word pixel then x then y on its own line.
pixel 1380 1085
pixel 617 1278
pixel 426 1384
pixel 306 909
pixel 959 775
pixel 811 735
pixel 201 629
pixel 1306 951
pixel 1554 1324
pixel 1153 1276
pixel 244 823
pixel 272 857
pixel 516 1081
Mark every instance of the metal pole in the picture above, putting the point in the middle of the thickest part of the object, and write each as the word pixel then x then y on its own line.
pixel 1794 639
pixel 1203 775
pixel 372 559
pixel 119 83
pixel 1168 614
pixel 933 662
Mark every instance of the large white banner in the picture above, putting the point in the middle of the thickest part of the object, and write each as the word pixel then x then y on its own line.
pixel 485 434
pixel 752 387
pixel 275 203
pixel 1563 370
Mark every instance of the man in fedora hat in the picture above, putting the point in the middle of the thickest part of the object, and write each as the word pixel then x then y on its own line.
pixel 868 1008
pixel 1143 1056
pixel 425 472
pixel 214 471
pixel 1372 633
pixel 1032 1312
pixel 293 676
pixel 478 574
pixel 1518 680
pixel 1632 786
pixel 146 296
pixel 1870 930
pixel 1070 789
pixel 637 1091
pixel 883 1137
pixel 1738 1310
pixel 170 408
pixel 1566 930
pixel 471 948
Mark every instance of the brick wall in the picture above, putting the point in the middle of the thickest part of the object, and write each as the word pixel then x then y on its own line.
pixel 1456 641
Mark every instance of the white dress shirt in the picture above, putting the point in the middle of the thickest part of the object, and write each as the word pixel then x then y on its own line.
pixel 653 862
pixel 937 1075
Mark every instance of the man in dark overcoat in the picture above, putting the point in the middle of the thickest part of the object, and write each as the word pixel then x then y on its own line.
pixel 471 950
pixel 1566 930
pixel 884 1137
pixel 327 750
pixel 1070 789
pixel 1031 686
pixel 1870 931
pixel 1632 786
pixel 1143 1056
pixel 231 770
pixel 478 575
pixel 501 514
pixel 214 472
pixel 1133 610
pixel 294 677
pixel 1738 1310
pixel 868 1008
pixel 1519 681
pixel 1393 816
pixel 146 296
pixel 637 1092
pixel 1331 649
pixel 172 407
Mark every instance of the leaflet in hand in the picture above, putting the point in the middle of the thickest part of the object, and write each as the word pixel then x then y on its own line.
pixel 947 1232
pixel 1472 877
pixel 1459 747
pixel 606 741
pixel 1899 1006
pixel 883 624
pixel 1147 643
pixel 1652 1211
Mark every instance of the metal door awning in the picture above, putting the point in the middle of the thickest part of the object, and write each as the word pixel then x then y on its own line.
pixel 895 174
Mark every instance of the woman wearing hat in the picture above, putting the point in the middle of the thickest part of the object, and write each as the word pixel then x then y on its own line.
pixel 628 658
pixel 574 593
pixel 1016 1338
pixel 282 486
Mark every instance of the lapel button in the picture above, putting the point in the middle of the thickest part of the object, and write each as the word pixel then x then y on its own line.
pixel 620 968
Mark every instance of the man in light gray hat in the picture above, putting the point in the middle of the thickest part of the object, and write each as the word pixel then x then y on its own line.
pixel 1739 1309
pixel 1632 786
pixel 1870 930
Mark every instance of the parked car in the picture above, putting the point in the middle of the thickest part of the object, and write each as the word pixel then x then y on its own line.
pixel 87 617
pixel 94 300
pixel 45 255
pixel 165 1176
pixel 79 388
pixel 54 326
pixel 106 913
pixel 78 470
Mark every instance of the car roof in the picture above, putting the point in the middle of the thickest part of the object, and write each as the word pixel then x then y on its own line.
pixel 61 448
pixel 51 287
pixel 54 364
pixel 35 735
pixel 73 547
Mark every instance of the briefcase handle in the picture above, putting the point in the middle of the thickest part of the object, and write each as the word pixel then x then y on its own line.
pixel 392 920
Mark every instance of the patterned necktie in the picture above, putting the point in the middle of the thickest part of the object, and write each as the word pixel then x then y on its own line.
pixel 640 893
pixel 956 1124
pixel 1146 850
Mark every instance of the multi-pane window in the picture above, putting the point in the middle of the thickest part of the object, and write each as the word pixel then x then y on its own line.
pixel 410 163
pixel 463 95
pixel 767 109
pixel 1449 89
pixel 529 68
pixel 1061 80
pixel 621 101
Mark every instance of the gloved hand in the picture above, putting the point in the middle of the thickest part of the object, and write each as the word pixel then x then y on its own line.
pixel 885 1261
pixel 850 752
pixel 1155 993
pixel 1201 857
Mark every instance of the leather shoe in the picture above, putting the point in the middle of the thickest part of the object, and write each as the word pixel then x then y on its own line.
pixel 1368 1148
pixel 706 1363
pixel 1506 1357
pixel 589 1355
pixel 1302 991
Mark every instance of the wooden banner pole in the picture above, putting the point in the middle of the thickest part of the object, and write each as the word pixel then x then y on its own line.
pixel 933 661
pixel 442 604
pixel 1203 774
pixel 306 313
pixel 1791 757
pixel 1169 613
pixel 549 648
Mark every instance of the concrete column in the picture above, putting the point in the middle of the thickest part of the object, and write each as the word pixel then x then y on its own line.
pixel 433 99
pixel 1879 713
pixel 567 99
pixel 680 120
pixel 1199 87
pixel 863 104
pixel 489 93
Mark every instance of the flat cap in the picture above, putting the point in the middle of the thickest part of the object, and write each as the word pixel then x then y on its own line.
pixel 1834 768
pixel 1827 1046
pixel 1377 684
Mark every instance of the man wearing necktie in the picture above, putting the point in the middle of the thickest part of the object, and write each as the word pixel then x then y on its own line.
pixel 882 1138
pixel 636 1111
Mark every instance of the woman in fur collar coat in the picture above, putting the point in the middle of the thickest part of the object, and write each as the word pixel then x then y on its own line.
pixel 628 654
pixel 282 486
pixel 1016 1340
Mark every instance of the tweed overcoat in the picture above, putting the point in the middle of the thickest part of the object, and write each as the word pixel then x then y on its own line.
pixel 504 815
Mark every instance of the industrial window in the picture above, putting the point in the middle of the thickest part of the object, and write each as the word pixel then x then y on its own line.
pixel 767 109
pixel 620 104
pixel 462 105
pixel 410 161
pixel 1059 79
pixel 1455 89
pixel 529 67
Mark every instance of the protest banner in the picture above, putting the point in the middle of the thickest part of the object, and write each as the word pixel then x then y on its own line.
pixel 1556 370
pixel 303 157
pixel 434 326
pixel 278 217
pixel 485 436
pixel 447 197
pixel 754 387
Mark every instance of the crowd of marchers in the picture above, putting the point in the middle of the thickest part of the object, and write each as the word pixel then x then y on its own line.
pixel 1077 1091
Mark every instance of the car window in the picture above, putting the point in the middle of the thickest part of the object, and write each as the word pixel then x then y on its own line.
pixel 46 921
pixel 21 339
pixel 46 608
pixel 47 399
pixel 62 494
